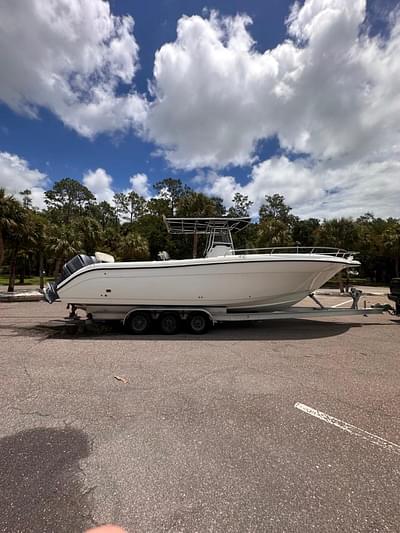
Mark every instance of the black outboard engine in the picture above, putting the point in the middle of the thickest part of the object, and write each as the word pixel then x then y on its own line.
pixel 74 264
pixel 394 294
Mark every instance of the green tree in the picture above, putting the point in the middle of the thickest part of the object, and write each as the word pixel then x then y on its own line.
pixel 153 229
pixel 159 207
pixel 105 214
pixel 276 208
pixel 28 244
pixel 305 232
pixel 121 203
pixel 219 206
pixel 240 206
pixel 133 246
pixel 136 206
pixel 171 190
pixel 88 232
pixel 19 238
pixel 130 206
pixel 39 229
pixel 26 198
pixel 391 240
pixel 62 243
pixel 10 217
pixel 339 233
pixel 67 199
pixel 273 232
pixel 374 264
pixel 276 222
pixel 197 204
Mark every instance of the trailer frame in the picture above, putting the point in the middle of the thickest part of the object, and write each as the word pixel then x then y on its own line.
pixel 164 315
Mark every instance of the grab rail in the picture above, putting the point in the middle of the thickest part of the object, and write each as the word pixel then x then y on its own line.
pixel 320 250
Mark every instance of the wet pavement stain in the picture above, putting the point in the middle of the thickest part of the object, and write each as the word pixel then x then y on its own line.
pixel 41 483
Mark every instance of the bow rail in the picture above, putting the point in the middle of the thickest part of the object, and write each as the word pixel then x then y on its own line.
pixel 308 250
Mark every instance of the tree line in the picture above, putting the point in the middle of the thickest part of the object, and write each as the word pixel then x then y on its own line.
pixel 34 242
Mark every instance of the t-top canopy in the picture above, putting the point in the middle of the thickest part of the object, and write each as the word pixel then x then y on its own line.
pixel 205 225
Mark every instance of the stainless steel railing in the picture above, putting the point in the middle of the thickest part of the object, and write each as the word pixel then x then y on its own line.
pixel 320 250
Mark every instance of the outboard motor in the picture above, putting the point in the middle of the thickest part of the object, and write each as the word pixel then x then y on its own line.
pixel 394 294
pixel 74 264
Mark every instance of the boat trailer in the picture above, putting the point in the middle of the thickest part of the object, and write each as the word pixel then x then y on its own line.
pixel 140 319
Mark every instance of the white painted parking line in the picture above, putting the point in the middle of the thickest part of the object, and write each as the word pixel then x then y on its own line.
pixel 342 303
pixel 357 432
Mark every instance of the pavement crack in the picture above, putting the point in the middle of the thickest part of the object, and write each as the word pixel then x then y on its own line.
pixel 89 490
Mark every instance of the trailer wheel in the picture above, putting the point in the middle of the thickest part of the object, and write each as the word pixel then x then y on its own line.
pixel 168 323
pixel 139 322
pixel 198 323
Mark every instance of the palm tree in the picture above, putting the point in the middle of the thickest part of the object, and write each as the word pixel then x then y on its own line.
pixel 39 236
pixel 134 246
pixel 19 237
pixel 62 242
pixel 90 233
pixel 9 214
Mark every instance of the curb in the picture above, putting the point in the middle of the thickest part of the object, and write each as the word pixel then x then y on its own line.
pixel 21 296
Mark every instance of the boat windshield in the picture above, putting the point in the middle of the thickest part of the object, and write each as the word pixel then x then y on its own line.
pixel 218 237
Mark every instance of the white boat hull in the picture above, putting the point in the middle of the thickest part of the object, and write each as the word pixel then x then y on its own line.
pixel 234 282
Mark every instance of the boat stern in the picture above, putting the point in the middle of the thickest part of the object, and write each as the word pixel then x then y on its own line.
pixel 73 265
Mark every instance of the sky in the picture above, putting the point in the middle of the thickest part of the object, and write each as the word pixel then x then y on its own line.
pixel 256 96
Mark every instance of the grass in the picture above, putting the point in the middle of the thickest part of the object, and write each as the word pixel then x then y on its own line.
pixel 29 280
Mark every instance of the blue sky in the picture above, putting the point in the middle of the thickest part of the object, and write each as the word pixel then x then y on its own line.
pixel 58 151
pixel 276 146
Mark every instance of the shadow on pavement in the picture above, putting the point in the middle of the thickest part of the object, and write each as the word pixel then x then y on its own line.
pixel 41 485
pixel 266 330
pixel 283 329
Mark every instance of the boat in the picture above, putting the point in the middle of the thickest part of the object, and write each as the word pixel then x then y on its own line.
pixel 270 279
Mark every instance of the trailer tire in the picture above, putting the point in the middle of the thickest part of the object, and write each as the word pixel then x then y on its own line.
pixel 198 323
pixel 168 323
pixel 139 322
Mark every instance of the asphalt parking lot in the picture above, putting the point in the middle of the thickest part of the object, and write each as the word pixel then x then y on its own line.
pixel 289 425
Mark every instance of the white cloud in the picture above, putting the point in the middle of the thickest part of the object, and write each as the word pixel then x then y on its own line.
pixel 330 93
pixel 16 176
pixel 99 182
pixel 101 185
pixel 317 189
pixel 140 184
pixel 202 114
pixel 329 90
pixel 69 56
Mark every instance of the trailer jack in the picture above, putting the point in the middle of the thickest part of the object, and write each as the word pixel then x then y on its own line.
pixel 355 295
